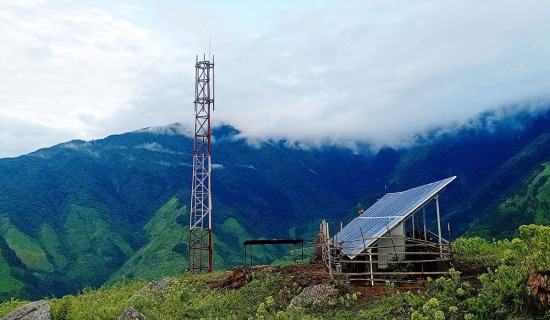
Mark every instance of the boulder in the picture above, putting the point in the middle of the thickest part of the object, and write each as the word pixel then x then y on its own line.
pixel 131 314
pixel 38 310
pixel 539 285
pixel 315 294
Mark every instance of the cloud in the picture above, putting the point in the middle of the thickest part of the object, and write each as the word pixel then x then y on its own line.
pixel 319 72
pixel 156 147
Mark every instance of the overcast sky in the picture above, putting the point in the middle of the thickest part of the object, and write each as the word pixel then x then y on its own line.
pixel 317 71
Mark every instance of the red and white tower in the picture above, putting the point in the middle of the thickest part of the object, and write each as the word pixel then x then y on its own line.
pixel 200 220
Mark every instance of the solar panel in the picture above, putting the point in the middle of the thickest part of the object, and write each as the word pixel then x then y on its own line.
pixel 385 214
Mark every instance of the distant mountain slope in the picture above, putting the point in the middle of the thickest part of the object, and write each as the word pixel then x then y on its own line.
pixel 74 214
pixel 519 192
pixel 491 158
pixel 82 213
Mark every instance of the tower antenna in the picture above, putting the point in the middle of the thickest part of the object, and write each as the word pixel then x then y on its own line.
pixel 200 215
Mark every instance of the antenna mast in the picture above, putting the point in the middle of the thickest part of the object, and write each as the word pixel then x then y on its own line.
pixel 200 216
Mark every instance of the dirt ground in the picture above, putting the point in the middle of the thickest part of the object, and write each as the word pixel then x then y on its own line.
pixel 314 273
pixel 306 275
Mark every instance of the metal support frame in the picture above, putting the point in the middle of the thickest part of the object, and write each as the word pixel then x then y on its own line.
pixel 425 228
pixel 438 223
pixel 200 216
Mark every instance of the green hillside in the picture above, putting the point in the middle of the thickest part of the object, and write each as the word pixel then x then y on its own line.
pixel 166 253
pixel 160 255
pixel 530 205
pixel 497 292
pixel 83 213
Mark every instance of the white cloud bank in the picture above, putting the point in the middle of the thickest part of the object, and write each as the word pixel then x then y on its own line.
pixel 321 72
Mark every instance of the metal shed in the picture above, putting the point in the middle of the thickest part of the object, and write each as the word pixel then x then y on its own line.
pixel 391 237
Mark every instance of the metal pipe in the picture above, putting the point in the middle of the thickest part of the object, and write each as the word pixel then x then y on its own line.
pixel 438 223
pixel 413 225
pixel 425 231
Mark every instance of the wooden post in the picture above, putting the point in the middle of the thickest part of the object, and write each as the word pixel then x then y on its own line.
pixel 371 271
pixel 245 255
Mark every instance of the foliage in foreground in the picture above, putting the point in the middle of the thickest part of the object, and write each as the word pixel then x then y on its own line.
pixel 500 292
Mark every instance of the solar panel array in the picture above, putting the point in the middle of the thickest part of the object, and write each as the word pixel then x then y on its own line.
pixel 385 214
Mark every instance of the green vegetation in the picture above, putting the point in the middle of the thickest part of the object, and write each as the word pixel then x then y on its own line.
pixel 7 283
pixel 94 244
pixel 157 258
pixel 499 293
pixel 81 213
pixel 50 241
pixel 26 249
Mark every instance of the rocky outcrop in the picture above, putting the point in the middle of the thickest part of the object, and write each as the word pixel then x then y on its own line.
pixel 315 294
pixel 131 314
pixel 233 279
pixel 38 310
pixel 539 284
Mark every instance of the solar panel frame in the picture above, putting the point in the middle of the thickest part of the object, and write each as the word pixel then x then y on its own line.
pixel 400 204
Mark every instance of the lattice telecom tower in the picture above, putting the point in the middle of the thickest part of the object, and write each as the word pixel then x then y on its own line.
pixel 200 221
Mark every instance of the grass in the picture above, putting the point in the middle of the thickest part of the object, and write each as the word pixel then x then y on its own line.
pixel 7 283
pixel 30 253
pixel 500 293
pixel 51 243
pixel 188 298
pixel 192 296
pixel 94 244
pixel 157 258
pixel 530 204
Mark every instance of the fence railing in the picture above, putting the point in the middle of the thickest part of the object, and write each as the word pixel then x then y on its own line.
pixel 405 259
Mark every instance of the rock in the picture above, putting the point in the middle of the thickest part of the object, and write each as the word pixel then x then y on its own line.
pixel 239 278
pixel 539 285
pixel 234 279
pixel 131 314
pixel 315 294
pixel 38 310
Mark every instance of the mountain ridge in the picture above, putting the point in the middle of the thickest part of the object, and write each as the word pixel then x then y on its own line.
pixel 82 213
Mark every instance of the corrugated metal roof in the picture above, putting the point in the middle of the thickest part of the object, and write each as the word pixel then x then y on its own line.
pixel 385 214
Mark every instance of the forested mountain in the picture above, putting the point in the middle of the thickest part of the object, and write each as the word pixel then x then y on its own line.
pixel 85 213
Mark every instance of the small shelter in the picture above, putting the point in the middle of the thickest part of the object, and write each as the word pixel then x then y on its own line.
pixel 390 240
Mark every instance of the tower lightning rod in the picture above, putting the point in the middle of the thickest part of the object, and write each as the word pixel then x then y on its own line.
pixel 200 214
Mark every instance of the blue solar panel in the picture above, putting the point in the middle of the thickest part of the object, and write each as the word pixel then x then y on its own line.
pixel 385 214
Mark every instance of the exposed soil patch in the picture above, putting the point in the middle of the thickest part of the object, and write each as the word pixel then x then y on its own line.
pixel 306 275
